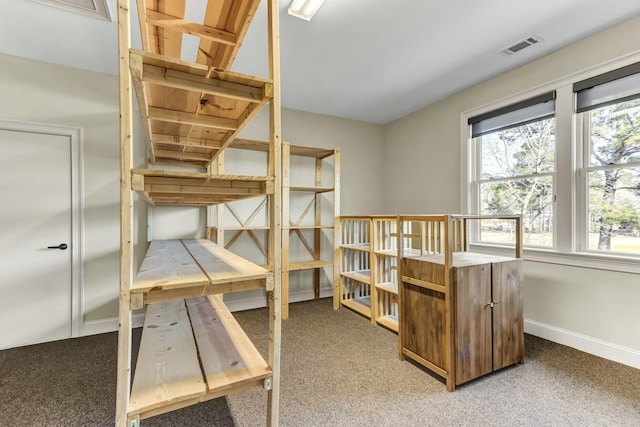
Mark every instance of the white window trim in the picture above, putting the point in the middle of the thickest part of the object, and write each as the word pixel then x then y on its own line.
pixel 570 200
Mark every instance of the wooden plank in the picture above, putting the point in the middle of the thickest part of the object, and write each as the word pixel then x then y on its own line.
pixel 424 284
pixel 167 369
pixel 209 86
pixel 359 305
pixel 228 356
pixel 275 204
pixel 221 265
pixel 184 141
pixel 126 217
pixel 174 116
pixel 363 276
pixel 182 25
pixel 422 323
pixel 135 67
pixel 233 17
pixel 203 290
pixel 364 247
pixel 508 321
pixel 472 335
pixel 164 41
pixel 168 265
pixel 307 265
pixel 337 230
pixel 392 288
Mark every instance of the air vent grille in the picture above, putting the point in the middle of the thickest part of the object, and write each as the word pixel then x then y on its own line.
pixel 522 44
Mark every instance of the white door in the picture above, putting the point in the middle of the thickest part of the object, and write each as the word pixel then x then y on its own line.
pixel 36 213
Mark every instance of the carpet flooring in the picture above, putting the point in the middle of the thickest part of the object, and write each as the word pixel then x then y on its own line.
pixel 337 370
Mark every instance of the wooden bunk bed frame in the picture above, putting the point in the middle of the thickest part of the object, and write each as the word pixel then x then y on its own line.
pixel 191 348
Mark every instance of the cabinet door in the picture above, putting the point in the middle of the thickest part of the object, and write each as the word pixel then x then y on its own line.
pixel 473 322
pixel 508 324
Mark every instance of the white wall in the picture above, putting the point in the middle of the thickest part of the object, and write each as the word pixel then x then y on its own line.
pixel 360 145
pixel 579 306
pixel 33 91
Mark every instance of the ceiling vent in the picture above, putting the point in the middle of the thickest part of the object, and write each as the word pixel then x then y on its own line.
pixel 95 8
pixel 522 44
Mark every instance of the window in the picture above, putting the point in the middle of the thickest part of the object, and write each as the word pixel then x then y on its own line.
pixel 608 109
pixel 568 161
pixel 516 170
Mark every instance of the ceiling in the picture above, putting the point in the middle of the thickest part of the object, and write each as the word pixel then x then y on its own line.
pixel 370 60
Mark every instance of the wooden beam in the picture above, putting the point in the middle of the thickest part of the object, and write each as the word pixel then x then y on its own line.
pixel 135 67
pixel 251 111
pixel 173 116
pixel 182 155
pixel 159 138
pixel 210 86
pixel 175 23
pixel 123 388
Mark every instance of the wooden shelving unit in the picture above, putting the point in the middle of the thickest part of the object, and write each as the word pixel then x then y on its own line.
pixel 308 227
pixel 384 261
pixel 354 290
pixel 191 348
pixel 460 312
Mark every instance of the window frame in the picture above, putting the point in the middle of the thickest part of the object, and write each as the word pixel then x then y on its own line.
pixel 570 202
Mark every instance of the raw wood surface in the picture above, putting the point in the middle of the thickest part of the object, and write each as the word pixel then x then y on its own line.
pixel 167 369
pixel 223 266
pixel 508 320
pixel 423 324
pixel 473 335
pixel 228 356
pixel 167 265
pixel 192 188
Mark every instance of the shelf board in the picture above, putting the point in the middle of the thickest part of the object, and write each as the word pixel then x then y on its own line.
pixel 363 276
pixel 361 305
pixel 186 359
pixel 388 321
pixel 387 252
pixel 310 189
pixel 167 369
pixel 310 227
pixel 365 247
pixel 307 265
pixel 319 153
pixel 390 287
pixel 229 358
pixel 163 187
pixel 182 269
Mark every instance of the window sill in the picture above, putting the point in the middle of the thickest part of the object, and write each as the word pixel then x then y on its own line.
pixel 576 259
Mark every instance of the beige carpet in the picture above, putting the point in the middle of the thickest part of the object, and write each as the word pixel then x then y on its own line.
pixel 337 370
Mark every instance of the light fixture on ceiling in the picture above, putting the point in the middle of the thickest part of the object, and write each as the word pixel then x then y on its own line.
pixel 304 9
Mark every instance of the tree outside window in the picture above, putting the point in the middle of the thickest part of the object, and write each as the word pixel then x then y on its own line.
pixel 517 172
pixel 613 178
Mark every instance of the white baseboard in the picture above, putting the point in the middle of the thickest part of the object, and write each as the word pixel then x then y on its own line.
pixel 94 327
pixel 597 347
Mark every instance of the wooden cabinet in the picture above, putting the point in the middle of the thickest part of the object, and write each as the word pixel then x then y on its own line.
pixel 461 312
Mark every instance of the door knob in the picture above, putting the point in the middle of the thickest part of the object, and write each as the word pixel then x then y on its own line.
pixel 61 246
